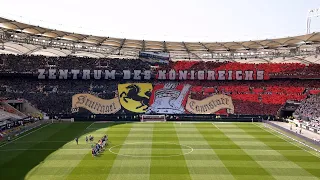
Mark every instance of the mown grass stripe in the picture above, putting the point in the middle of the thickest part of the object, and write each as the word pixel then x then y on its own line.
pixel 65 165
pixel 123 165
pixel 199 169
pixel 238 172
pixel 243 151
pixel 296 158
pixel 168 168
pixel 100 169
pixel 298 171
pixel 24 135
pixel 20 164
pixel 296 141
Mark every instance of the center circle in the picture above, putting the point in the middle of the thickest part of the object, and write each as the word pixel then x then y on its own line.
pixel 155 149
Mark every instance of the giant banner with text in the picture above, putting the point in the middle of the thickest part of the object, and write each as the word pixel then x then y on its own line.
pixel 163 98
pixel 95 104
pixel 210 105
pixel 97 74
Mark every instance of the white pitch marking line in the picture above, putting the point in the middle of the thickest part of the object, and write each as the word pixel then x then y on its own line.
pixel 190 122
pixel 43 149
pixel 39 142
pixel 292 139
pixel 128 155
pixel 82 149
pixel 150 130
pixel 90 125
pixel 25 135
pixel 215 126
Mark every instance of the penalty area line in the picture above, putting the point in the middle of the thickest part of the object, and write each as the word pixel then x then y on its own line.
pixel 215 126
pixel 90 126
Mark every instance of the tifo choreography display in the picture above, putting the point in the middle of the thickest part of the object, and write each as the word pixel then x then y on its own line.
pixel 281 82
pixel 266 78
pixel 169 98
pixel 157 109
pixel 147 74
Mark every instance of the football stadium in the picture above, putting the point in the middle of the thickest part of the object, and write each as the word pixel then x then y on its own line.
pixel 79 106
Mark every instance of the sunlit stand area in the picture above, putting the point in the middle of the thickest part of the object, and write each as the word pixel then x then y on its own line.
pixel 74 106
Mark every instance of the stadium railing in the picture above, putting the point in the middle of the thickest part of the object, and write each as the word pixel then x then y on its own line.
pixel 292 133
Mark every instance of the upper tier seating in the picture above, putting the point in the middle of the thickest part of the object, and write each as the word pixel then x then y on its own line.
pixel 24 63
pixel 249 97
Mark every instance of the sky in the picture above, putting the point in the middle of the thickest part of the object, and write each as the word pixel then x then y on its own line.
pixel 169 20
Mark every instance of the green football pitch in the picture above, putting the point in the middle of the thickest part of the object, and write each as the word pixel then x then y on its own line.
pixel 158 151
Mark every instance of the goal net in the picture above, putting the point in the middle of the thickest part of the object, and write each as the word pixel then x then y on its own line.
pixel 152 118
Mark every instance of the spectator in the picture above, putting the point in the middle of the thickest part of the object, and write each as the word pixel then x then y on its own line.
pixel 309 108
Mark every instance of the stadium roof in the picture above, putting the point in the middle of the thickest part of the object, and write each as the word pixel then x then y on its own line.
pixel 113 46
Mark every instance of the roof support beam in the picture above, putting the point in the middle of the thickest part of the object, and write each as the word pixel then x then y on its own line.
pixel 272 41
pixel 33 50
pixel 118 48
pixel 257 43
pixel 165 47
pixel 209 50
pixel 186 48
pixel 103 40
pixel 143 48
pixel 240 44
pixel 184 45
pixel 189 52
pixel 122 43
pixel 204 46
pixel 221 44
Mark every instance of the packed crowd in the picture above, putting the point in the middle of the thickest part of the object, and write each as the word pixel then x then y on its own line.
pixel 273 70
pixel 54 96
pixel 309 108
pixel 4 115
pixel 31 64
pixel 257 97
pixel 15 125
pixel 315 124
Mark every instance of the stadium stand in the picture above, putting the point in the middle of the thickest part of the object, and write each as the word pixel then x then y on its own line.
pixel 4 115
pixel 309 109
pixel 249 97
pixel 50 79
pixel 12 126
pixel 31 64
pixel 290 65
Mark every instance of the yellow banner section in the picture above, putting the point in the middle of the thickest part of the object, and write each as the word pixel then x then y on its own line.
pixel 135 96
pixel 210 105
pixel 96 105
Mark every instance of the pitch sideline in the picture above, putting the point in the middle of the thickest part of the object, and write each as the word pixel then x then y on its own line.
pixel 317 151
pixel 25 135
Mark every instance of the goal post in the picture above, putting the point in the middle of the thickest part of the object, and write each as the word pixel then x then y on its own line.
pixel 152 118
pixel 62 120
